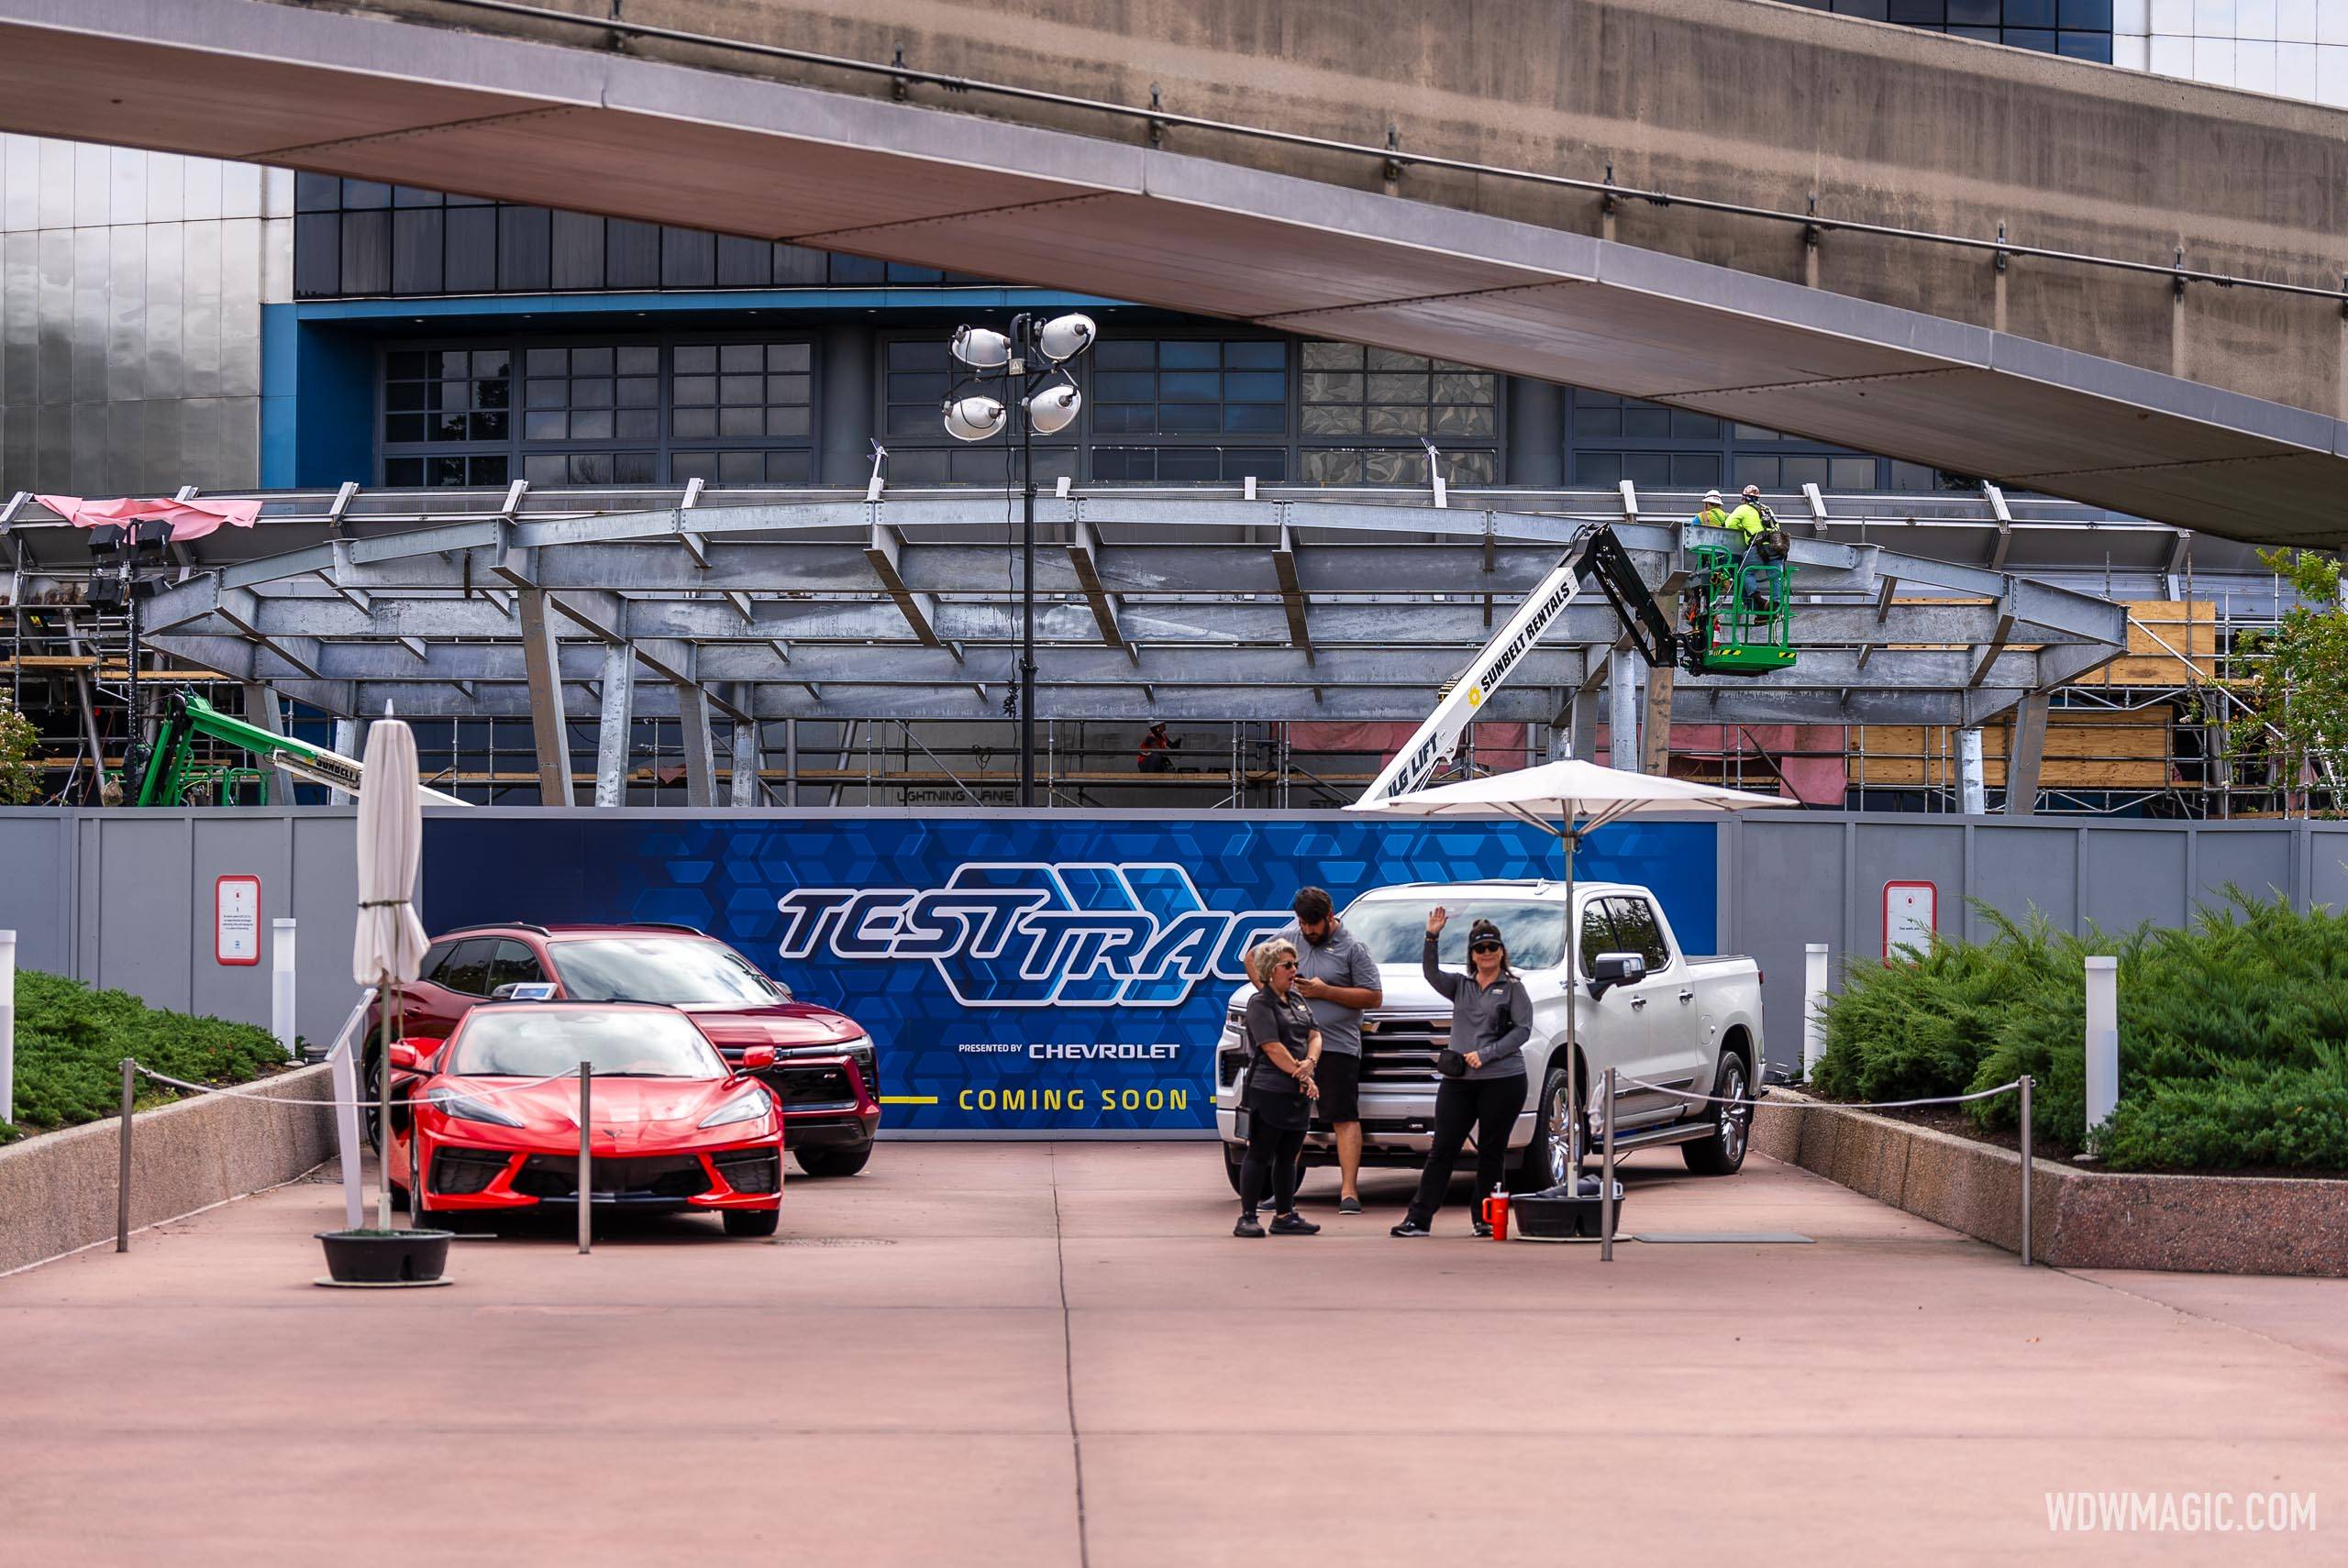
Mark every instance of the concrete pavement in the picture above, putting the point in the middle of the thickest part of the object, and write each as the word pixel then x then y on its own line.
pixel 1056 1354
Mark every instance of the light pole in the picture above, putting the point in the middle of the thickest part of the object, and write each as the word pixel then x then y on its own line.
pixel 1031 363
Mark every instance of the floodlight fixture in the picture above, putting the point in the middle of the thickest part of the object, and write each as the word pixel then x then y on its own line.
pixel 981 348
pixel 1054 409
pixel 1065 336
pixel 974 418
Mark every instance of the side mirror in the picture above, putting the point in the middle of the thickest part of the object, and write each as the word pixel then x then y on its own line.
pixel 1616 969
pixel 415 1053
pixel 757 1057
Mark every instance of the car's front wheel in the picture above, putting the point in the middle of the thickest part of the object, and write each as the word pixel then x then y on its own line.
pixel 833 1162
pixel 1723 1153
pixel 753 1221
pixel 415 1220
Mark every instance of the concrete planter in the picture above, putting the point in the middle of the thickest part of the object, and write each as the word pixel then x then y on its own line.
pixel 2080 1218
pixel 56 1191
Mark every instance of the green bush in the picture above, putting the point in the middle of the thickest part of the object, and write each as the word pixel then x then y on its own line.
pixel 71 1040
pixel 2233 1036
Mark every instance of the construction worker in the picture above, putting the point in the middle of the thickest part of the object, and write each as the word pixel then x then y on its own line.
pixel 1712 514
pixel 1749 521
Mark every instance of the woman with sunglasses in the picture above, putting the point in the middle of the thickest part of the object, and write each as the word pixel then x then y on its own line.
pixel 1492 1016
pixel 1283 1047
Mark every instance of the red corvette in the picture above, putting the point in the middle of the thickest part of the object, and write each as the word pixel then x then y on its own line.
pixel 673 1126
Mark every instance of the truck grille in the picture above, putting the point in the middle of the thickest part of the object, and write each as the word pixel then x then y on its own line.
pixel 1402 1050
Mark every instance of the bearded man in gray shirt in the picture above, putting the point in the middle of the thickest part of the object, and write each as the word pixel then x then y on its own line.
pixel 1337 976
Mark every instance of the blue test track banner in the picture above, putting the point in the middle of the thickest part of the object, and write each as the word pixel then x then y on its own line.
pixel 1020 973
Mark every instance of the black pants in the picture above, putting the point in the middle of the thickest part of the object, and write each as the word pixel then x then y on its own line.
pixel 1489 1105
pixel 1272 1153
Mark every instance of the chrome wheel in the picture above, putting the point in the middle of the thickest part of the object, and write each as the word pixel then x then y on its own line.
pixel 1736 1118
pixel 1556 1156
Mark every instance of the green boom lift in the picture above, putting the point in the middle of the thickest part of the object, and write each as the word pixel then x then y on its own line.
pixel 175 777
pixel 1739 618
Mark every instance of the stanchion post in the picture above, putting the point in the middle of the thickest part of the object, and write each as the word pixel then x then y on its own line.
pixel 586 1158
pixel 1813 998
pixel 2026 1163
pixel 1606 1177
pixel 7 1026
pixel 122 1171
pixel 281 983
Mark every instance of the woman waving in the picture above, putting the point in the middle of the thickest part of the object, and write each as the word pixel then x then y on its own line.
pixel 1483 1085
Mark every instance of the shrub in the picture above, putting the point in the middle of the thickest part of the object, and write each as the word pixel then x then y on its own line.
pixel 71 1040
pixel 2233 1036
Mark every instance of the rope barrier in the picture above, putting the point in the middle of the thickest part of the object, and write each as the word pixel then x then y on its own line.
pixel 237 1093
pixel 1829 1104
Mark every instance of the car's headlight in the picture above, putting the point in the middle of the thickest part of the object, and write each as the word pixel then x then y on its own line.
pixel 747 1105
pixel 466 1108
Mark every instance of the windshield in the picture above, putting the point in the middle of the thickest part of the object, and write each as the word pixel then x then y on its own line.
pixel 680 971
pixel 532 1040
pixel 1394 929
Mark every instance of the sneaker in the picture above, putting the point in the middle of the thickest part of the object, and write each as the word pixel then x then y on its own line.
pixel 1294 1225
pixel 1349 1205
pixel 1410 1228
pixel 1248 1226
pixel 1483 1227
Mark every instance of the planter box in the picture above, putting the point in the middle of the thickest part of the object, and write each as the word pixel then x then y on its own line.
pixel 2080 1218
pixel 57 1190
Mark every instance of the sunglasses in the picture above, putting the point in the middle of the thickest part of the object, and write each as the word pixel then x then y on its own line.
pixel 1285 963
pixel 1485 947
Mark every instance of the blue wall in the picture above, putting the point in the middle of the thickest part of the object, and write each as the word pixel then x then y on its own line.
pixel 946 981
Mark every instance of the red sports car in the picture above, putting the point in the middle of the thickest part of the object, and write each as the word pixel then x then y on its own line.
pixel 671 1125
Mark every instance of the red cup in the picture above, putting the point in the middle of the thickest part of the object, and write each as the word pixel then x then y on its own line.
pixel 1496 1215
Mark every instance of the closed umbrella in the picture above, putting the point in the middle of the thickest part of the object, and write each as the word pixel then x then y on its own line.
pixel 1569 797
pixel 388 949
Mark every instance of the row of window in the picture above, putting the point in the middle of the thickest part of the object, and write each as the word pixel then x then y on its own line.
pixel 2080 29
pixel 365 238
pixel 1161 410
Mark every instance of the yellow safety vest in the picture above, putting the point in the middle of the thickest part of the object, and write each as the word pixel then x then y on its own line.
pixel 1747 520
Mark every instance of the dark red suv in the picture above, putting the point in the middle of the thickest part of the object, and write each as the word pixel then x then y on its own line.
pixel 826 1071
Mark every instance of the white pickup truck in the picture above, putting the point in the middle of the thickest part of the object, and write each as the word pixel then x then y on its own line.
pixel 1646 1009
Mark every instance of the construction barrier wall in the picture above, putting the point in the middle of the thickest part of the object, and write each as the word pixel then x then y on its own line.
pixel 1123 982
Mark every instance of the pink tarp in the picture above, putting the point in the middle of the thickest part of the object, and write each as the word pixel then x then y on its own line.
pixel 188 519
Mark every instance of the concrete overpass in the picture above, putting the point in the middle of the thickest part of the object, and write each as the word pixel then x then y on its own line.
pixel 1617 194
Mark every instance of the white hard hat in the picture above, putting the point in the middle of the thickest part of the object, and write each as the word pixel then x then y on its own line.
pixel 1712 498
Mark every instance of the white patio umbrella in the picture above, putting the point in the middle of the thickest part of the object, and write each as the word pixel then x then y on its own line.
pixel 1571 798
pixel 388 946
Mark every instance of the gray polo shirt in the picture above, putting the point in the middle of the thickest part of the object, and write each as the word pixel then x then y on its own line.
pixel 1340 961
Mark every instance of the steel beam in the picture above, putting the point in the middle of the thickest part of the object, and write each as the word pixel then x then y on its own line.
pixel 549 734
pixel 920 610
pixel 700 744
pixel 612 730
pixel 2025 754
pixel 1292 598
pixel 1084 559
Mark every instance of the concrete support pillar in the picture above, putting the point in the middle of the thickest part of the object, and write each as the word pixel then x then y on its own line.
pixel 1654 730
pixel 262 709
pixel 1972 783
pixel 1559 732
pixel 2103 1038
pixel 1536 433
pixel 749 754
pixel 847 350
pixel 2025 754
pixel 701 745
pixel 1622 710
pixel 612 730
pixel 542 665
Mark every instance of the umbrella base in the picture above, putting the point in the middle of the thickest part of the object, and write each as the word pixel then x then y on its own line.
pixel 380 1258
